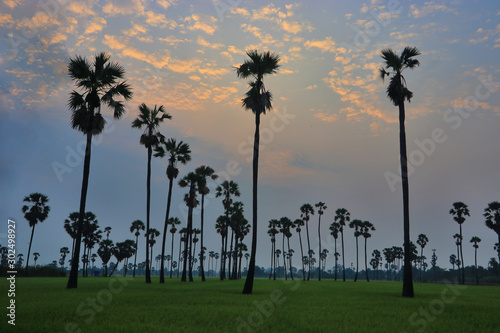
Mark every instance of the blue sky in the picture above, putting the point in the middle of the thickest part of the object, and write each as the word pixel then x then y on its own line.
pixel 332 136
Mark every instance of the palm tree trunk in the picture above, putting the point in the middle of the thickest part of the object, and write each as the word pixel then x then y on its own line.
pixel 366 263
pixel 407 273
pixel 202 266
pixel 73 275
pixel 462 256
pixel 148 204
pixel 308 252
pixel 335 254
pixel 223 257
pixel 301 259
pixel 179 262
pixel 284 258
pixel 272 256
pixel 29 250
pixel 167 214
pixel 319 254
pixel 475 264
pixel 222 254
pixel 343 258
pixel 135 258
pixel 247 289
pixel 172 255
pixel 290 256
pixel 357 261
pixel 229 269
pixel 114 268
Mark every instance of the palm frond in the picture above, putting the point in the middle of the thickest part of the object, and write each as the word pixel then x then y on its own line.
pixel 391 60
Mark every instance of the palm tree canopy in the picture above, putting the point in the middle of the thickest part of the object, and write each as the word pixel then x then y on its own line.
pixel 36 209
pixel 397 90
pixel 178 152
pixel 492 215
pixel 150 119
pixel 204 172
pixel 342 216
pixel 137 226
pixel 459 211
pixel 305 211
pixel 99 82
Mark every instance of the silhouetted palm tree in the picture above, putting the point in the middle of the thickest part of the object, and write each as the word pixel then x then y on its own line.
pixel 105 253
pixel 305 211
pixel 173 221
pixel 334 231
pixel 258 100
pixel 366 228
pixel 298 224
pixel 71 226
pixel 434 262
pixel 422 242
pixel 123 250
pixel 342 216
pixel 475 243
pixel 35 257
pixel 453 260
pixel 151 240
pixel 150 119
pixel 99 83
pixel 398 92
pixel 36 210
pixel 204 172
pixel 221 228
pixel 177 152
pixel 63 251
pixel 357 225
pixel 321 208
pixel 492 215
pixel 459 212
pixel 136 228
pixel 272 232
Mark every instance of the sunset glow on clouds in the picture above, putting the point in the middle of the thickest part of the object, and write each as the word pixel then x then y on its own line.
pixel 340 138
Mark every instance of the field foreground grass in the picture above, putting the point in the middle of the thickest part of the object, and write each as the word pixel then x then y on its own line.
pixel 129 305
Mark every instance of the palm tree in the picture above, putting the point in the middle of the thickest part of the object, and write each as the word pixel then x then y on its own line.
pixel 35 257
pixel 390 257
pixel 298 223
pixel 286 224
pixel 63 251
pixel 398 92
pixel 226 189
pixel 71 226
pixel 342 216
pixel 173 221
pixel 434 262
pixel 136 227
pixel 376 261
pixel 35 211
pixel 241 227
pixel 357 225
pixel 99 83
pixel 492 215
pixel 93 259
pixel 453 260
pixel 177 152
pixel 150 119
pixel 105 253
pixel 204 172
pixel 334 231
pixel 258 100
pixel 475 243
pixel 459 211
pixel 321 208
pixel 196 232
pixel 366 227
pixel 190 181
pixel 422 242
pixel 123 250
pixel 272 232
pixel 220 227
pixel 150 239
pixel 305 211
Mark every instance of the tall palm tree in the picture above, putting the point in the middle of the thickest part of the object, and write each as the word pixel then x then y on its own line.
pixel 422 241
pixel 475 243
pixel 398 92
pixel 177 152
pixel 298 223
pixel 173 221
pixel 357 225
pixel 100 83
pixel 190 181
pixel 221 228
pixel 204 172
pixel 305 211
pixel 334 231
pixel 241 228
pixel 366 228
pixel 492 215
pixel 258 100
pixel 458 242
pixel 136 228
pixel 36 210
pixel 459 212
pixel 226 190
pixel 342 216
pixel 272 232
pixel 321 208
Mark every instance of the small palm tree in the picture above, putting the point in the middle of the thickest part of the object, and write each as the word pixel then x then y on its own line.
pixel 492 215
pixel 366 228
pixel 100 83
pixel 334 231
pixel 321 207
pixel 71 226
pixel 258 100
pixel 150 119
pixel 357 225
pixel 305 211
pixel 298 224
pixel 36 210
pixel 35 257
pixel 398 92
pixel 151 240
pixel 64 251
pixel 422 241
pixel 475 243
pixel 136 228
pixel 459 212
pixel 342 216
pixel 173 221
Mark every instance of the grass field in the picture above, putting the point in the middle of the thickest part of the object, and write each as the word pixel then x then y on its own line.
pixel 129 305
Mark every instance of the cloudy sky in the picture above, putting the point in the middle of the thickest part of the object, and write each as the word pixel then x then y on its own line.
pixel 333 135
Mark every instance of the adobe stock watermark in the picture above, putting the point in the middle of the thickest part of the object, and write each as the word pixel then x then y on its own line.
pixel 454 118
pixel 278 121
pixel 372 28
pixel 426 315
pixel 265 309
pixel 88 309
pixel 224 6
pixel 30 27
